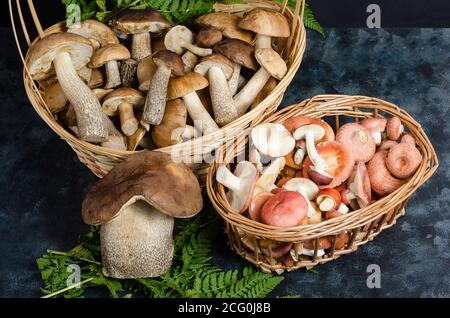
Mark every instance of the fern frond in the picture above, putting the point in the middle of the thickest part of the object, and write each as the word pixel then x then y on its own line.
pixel 310 21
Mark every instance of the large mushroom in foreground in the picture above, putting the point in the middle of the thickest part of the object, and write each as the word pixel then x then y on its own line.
pixel 135 204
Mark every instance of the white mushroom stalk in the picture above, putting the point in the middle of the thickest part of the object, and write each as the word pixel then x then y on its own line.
pixel 156 97
pixel 248 93
pixel 180 38
pixel 263 41
pixel 189 60
pixel 199 114
pixel 112 74
pixel 128 122
pixel 312 133
pixel 141 46
pixel 228 179
pixel 269 175
pixel 233 82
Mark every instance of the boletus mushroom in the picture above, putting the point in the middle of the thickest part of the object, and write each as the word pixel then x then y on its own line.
pixel 273 140
pixel 98 33
pixel 63 53
pixel 179 39
pixel 135 204
pixel 172 126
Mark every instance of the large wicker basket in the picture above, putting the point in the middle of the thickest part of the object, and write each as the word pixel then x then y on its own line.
pixel 100 160
pixel 361 225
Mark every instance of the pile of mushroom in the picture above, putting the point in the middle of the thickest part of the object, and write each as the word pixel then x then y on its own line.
pixel 141 66
pixel 302 173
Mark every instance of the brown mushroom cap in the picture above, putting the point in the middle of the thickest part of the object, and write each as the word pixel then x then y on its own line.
pixel 266 22
pixel 151 176
pixel 42 52
pixel 228 23
pixel 145 70
pixel 239 52
pixel 110 52
pixel 190 82
pixel 215 60
pixel 119 96
pixel 208 36
pixel 93 29
pixel 272 62
pixel 171 128
pixel 139 21
pixel 171 60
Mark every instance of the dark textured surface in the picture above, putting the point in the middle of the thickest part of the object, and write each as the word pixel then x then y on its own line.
pixel 42 183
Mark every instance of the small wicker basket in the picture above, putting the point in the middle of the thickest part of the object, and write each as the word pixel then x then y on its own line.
pixel 361 225
pixel 100 160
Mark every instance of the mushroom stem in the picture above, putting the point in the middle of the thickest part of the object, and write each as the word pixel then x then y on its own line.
pixel 88 110
pixel 128 122
pixel 141 46
pixel 222 101
pixel 319 164
pixel 227 179
pixel 112 74
pixel 233 82
pixel 248 93
pixel 85 73
pixel 263 41
pixel 155 103
pixel 189 60
pixel 198 113
pixel 197 50
pixel 189 132
pixel 128 72
pixel 115 138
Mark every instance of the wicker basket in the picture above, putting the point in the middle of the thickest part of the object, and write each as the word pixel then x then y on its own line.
pixel 100 160
pixel 361 225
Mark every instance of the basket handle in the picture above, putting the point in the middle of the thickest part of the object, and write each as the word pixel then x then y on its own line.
pixel 298 11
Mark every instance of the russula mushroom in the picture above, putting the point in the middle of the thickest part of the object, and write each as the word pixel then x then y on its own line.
pixel 341 210
pixel 381 180
pixel 255 157
pixel 135 203
pixel 256 204
pixel 208 36
pixel 376 126
pixel 309 247
pixel 266 24
pixel 172 126
pixel 295 158
pixel 227 23
pixel 99 34
pixel 387 144
pixel 128 72
pixel 167 63
pixel 145 71
pixel 271 65
pixel 123 100
pixel 403 160
pixel 266 247
pixel 295 122
pixel 307 189
pixel 272 139
pixel 359 185
pixel 219 69
pixel 341 240
pixel 409 139
pixel 63 53
pixel 55 98
pixel 180 38
pixel 328 199
pixel 338 160
pixel 109 55
pixel 394 128
pixel 240 184
pixel 284 209
pixel 185 87
pixel 140 23
pixel 269 175
pixel 358 139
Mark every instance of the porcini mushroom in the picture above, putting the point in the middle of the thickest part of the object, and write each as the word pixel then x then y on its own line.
pixel 358 139
pixel 108 55
pixel 227 23
pixel 266 23
pixel 123 100
pixel 376 126
pixel 128 70
pixel 241 184
pixel 403 160
pixel 381 180
pixel 180 38
pixel 55 98
pixel 172 126
pixel 394 128
pixel 189 61
pixel 185 87
pixel 307 189
pixel 97 79
pixel 167 63
pixel 208 36
pixel 284 209
pixel 135 203
pixel 136 139
pixel 99 34
pixel 63 53
pixel 273 140
pixel 145 71
pixel 140 23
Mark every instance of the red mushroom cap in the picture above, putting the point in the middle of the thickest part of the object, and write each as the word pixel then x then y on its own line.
pixel 394 128
pixel 324 244
pixel 403 160
pixel 359 184
pixel 256 204
pixel 409 139
pixel 284 209
pixel 358 139
pixel 374 124
pixel 387 144
pixel 293 123
pixel 381 180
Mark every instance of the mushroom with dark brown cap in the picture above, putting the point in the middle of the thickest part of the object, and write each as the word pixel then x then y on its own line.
pixel 266 23
pixel 208 36
pixel 135 203
pixel 63 53
pixel 140 23
pixel 185 87
pixel 145 71
pixel 271 65
pixel 219 69
pixel 167 63
pixel 180 38
pixel 358 139
pixel 99 34
pixel 172 126
pixel 108 55
pixel 123 100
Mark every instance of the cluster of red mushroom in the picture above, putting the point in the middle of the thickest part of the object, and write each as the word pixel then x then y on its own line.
pixel 302 173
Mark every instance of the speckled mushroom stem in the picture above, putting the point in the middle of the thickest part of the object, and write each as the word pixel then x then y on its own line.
pixel 141 46
pixel 198 113
pixel 189 60
pixel 197 50
pixel 91 126
pixel 128 122
pixel 248 93
pixel 128 72
pixel 233 82
pixel 222 101
pixel 116 140
pixel 112 74
pixel 319 164
pixel 155 103
pixel 263 41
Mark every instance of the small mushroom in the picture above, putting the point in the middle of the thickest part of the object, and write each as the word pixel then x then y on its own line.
pixel 307 189
pixel 140 23
pixel 266 23
pixel 359 185
pixel 55 98
pixel 208 36
pixel 128 72
pixel 123 100
pixel 409 139
pixel 376 126
pixel 145 72
pixel 295 122
pixel 99 34
pixel 358 139
pixel 269 175
pixel 271 65
pixel 189 61
pixel 97 79
pixel 403 160
pixel 172 126
pixel 284 209
pixel 85 73
pixel 109 55
pixel 63 53
pixel 394 128
pixel 295 158
pixel 135 203
pixel 273 140
pixel 256 204
pixel 227 23
pixel 381 180
pixel 136 139
pixel 328 199
pixel 240 184
pixel 185 87
pixel 167 63
pixel 180 38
